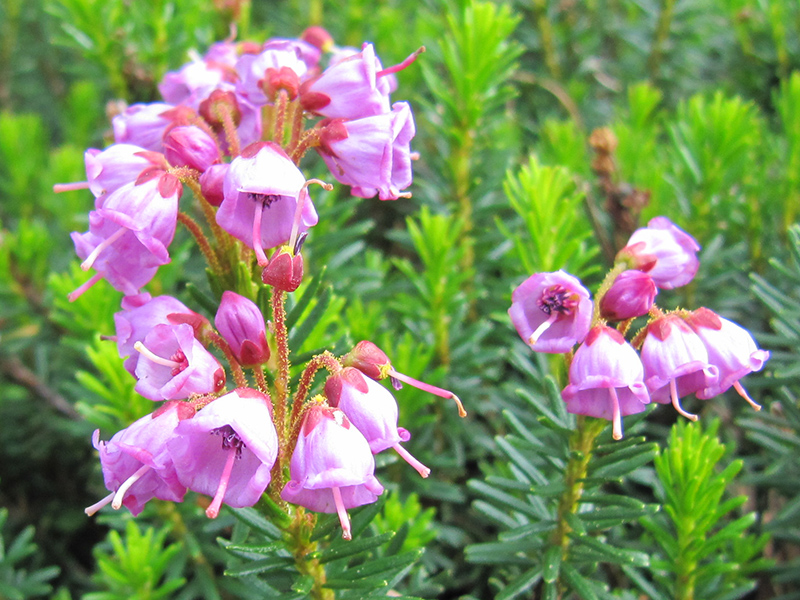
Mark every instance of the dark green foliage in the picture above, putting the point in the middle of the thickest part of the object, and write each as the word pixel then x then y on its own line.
pixel 16 581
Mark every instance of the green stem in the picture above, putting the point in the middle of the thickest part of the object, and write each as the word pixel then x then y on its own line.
pixel 546 33
pixel 662 33
pixel 581 444
pixel 298 539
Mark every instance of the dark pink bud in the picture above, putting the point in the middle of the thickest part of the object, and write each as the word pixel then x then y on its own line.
pixel 190 146
pixel 217 104
pixel 631 295
pixel 284 78
pixel 284 271
pixel 211 183
pixel 242 325
pixel 369 359
pixel 318 37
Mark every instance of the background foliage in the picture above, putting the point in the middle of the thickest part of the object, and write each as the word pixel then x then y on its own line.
pixel 700 100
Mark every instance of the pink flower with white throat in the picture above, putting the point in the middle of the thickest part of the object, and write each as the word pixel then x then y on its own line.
pixel 606 379
pixel 373 410
pixel 332 467
pixel 373 154
pixel 676 362
pixel 551 311
pixel 664 251
pixel 227 450
pixel 174 365
pixel 262 189
pixel 731 349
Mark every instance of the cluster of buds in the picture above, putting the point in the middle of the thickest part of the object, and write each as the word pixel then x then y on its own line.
pixel 679 353
pixel 233 128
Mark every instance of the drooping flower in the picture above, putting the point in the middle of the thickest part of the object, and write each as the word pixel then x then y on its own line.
pixel 332 468
pixel 373 410
pixel 349 89
pixel 606 379
pixel 731 349
pixel 139 315
pixel 174 365
pixel 242 326
pixel 261 191
pixel 631 295
pixel 135 461
pixel 664 251
pixel 551 311
pixel 142 125
pixel 675 362
pixel 373 154
pixel 227 450
pixel 128 236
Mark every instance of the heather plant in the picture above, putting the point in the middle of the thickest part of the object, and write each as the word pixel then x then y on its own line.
pixel 253 256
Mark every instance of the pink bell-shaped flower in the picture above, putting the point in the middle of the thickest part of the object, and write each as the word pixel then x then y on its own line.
pixel 261 192
pixel 675 362
pixel 128 237
pixel 664 251
pixel 731 349
pixel 349 89
pixel 373 410
pixel 139 315
pixel 136 464
pixel 332 468
pixel 228 450
pixel 173 365
pixel 551 311
pixel 142 125
pixel 242 325
pixel 606 379
pixel 372 154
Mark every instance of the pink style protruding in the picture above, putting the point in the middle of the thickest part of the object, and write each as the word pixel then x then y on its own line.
pixel 373 410
pixel 174 365
pixel 136 463
pixel 606 379
pixel 731 349
pixel 675 362
pixel 227 450
pixel 332 468
pixel 261 191
pixel 551 311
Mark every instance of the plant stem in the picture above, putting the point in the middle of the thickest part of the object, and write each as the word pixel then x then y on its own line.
pixel 282 342
pixel 202 241
pixel 325 360
pixel 298 539
pixel 662 33
pixel 581 444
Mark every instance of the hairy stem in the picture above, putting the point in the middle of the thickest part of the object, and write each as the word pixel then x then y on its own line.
pixel 202 241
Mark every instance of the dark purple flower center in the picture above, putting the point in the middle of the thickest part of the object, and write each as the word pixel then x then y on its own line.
pixel 180 358
pixel 558 299
pixel 230 439
pixel 266 199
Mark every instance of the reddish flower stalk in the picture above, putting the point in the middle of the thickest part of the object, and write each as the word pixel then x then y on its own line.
pixel 282 341
pixel 202 241
pixel 238 374
pixel 325 360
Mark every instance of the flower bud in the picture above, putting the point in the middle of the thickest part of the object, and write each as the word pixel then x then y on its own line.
pixel 212 183
pixel 369 359
pixel 631 295
pixel 242 325
pixel 284 271
pixel 190 146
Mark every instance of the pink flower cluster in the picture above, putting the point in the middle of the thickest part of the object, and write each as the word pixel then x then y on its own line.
pixel 226 446
pixel 680 353
pixel 233 126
